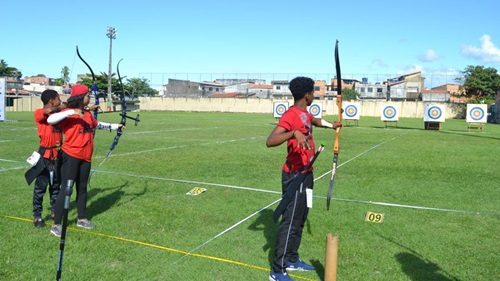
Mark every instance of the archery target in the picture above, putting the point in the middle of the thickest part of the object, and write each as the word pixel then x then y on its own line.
pixel 316 109
pixel 279 108
pixel 434 113
pixel 477 113
pixel 351 111
pixel 390 112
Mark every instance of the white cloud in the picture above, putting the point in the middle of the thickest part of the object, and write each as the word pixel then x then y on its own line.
pixel 488 52
pixel 428 56
pixel 411 69
pixel 377 64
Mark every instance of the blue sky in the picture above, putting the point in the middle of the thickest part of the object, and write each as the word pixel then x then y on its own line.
pixel 273 36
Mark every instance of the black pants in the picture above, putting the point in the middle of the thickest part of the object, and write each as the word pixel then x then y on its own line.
pixel 41 183
pixel 291 225
pixel 78 171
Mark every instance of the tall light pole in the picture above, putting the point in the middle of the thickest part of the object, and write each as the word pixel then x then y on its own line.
pixel 111 33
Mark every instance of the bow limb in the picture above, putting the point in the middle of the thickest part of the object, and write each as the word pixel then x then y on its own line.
pixel 94 88
pixel 336 143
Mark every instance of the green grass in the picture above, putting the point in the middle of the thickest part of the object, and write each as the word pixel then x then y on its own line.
pixel 146 224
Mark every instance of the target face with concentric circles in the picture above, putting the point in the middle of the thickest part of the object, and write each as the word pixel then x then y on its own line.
pixel 389 112
pixel 315 110
pixel 434 112
pixel 351 111
pixel 476 113
pixel 280 109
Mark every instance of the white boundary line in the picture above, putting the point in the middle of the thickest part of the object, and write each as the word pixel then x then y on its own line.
pixel 170 130
pixel 188 181
pixel 228 229
pixel 11 169
pixel 8 160
pixel 359 155
pixel 177 146
pixel 276 192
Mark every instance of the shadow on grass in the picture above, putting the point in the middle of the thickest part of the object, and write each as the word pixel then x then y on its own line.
pixel 266 224
pixel 114 198
pixel 319 268
pixel 418 269
pixel 468 134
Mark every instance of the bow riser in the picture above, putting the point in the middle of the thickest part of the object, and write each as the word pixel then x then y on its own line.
pixel 336 143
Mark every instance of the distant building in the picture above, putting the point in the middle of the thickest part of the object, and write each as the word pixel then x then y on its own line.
pixel 280 89
pixel 320 89
pixel 435 96
pixel 405 87
pixel 227 82
pixel 371 91
pixel 182 88
pixel 260 91
pixel 40 80
pixel 455 91
pixel 331 90
pixel 209 88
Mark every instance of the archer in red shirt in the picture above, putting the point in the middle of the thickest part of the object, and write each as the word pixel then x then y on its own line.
pixel 78 126
pixel 46 169
pixel 295 127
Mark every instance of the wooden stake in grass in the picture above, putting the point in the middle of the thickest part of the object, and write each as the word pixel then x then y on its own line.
pixel 332 245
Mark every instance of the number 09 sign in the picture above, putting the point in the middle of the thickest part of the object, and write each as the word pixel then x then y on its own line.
pixel 374 217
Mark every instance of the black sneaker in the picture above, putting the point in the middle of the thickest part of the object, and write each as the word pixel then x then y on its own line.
pixel 38 222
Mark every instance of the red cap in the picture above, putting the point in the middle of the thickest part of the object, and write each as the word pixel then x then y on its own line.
pixel 79 89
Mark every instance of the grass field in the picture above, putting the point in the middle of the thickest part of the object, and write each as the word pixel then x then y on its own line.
pixel 438 191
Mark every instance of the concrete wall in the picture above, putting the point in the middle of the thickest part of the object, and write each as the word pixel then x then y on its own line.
pixel 251 105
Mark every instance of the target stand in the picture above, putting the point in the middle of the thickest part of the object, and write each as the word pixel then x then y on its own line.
pixel 351 122
pixel 474 125
pixel 391 124
pixel 428 125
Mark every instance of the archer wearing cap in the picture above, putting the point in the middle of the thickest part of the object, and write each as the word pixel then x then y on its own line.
pixel 78 126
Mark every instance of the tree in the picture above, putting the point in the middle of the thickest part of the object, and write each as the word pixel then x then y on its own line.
pixel 480 83
pixel 59 82
pixel 349 94
pixel 6 70
pixel 102 81
pixel 139 87
pixel 65 74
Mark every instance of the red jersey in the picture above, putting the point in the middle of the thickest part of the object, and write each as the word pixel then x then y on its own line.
pixel 297 119
pixel 50 135
pixel 79 135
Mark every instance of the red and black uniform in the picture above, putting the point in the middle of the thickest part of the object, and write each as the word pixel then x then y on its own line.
pixel 50 141
pixel 76 155
pixel 295 214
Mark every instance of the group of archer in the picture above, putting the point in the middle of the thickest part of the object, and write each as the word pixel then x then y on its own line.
pixel 70 161
pixel 66 131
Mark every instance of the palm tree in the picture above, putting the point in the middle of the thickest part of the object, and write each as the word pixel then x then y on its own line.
pixel 65 74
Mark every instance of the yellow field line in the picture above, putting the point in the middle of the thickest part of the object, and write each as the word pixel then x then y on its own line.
pixel 163 248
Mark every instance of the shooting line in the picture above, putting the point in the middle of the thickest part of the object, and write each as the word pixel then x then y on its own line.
pixel 162 248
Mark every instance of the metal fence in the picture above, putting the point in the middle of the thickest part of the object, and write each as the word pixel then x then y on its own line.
pixel 157 80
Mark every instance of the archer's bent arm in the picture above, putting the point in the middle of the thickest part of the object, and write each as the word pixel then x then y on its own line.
pixel 279 135
pixel 59 116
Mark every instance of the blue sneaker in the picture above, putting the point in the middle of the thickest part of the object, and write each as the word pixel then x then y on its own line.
pixel 279 276
pixel 299 265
